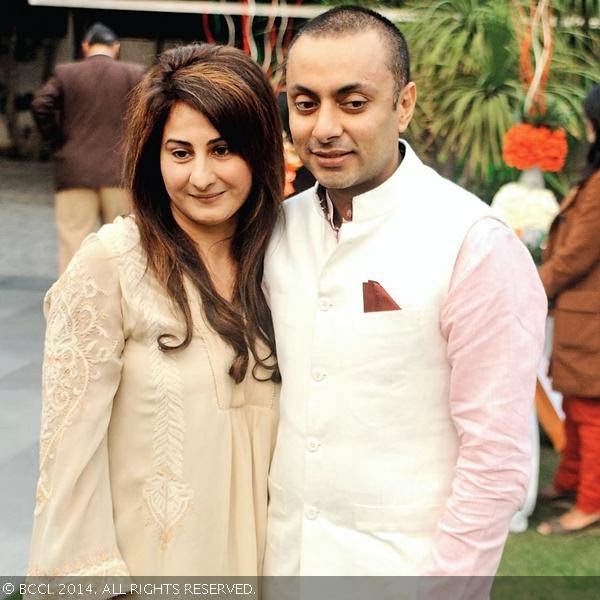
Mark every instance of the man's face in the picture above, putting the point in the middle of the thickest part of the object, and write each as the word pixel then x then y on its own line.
pixel 342 116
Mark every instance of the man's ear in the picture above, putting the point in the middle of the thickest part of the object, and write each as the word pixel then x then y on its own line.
pixel 406 105
pixel 115 49
pixel 85 48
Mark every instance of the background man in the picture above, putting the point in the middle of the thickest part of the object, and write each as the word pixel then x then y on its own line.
pixel 80 112
pixel 409 325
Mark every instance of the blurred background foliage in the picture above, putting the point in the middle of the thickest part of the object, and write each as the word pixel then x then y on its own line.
pixel 465 60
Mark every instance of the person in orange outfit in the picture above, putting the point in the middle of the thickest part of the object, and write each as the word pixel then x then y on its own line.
pixel 571 278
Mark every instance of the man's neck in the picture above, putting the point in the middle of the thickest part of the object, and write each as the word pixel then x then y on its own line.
pixel 342 203
pixel 342 199
pixel 100 50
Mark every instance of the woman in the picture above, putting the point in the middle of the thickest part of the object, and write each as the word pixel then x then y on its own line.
pixel 571 277
pixel 160 397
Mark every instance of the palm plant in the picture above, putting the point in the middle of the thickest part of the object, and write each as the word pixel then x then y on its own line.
pixel 465 59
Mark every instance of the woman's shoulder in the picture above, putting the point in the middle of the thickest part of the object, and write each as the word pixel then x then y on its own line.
pixel 120 237
pixel 102 254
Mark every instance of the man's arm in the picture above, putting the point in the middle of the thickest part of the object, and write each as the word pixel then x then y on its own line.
pixel 45 107
pixel 493 319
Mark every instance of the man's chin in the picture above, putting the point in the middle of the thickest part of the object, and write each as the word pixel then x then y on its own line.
pixel 332 180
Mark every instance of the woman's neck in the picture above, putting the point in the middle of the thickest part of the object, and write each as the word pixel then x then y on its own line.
pixel 214 245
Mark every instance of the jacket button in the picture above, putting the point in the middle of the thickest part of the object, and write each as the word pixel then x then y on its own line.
pixel 324 304
pixel 312 445
pixel 311 513
pixel 318 375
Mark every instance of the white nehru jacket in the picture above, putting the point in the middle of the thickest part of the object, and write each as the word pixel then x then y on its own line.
pixel 366 446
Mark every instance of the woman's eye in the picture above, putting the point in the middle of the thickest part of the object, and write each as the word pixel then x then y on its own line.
pixel 180 154
pixel 221 151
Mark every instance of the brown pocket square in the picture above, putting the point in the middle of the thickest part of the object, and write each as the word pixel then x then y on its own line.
pixel 375 298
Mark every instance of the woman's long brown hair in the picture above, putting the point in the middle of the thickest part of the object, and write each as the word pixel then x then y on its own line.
pixel 230 90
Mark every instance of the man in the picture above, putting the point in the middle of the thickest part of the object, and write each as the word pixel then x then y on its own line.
pixel 409 324
pixel 80 112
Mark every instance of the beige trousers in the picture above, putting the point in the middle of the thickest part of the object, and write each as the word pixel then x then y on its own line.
pixel 77 212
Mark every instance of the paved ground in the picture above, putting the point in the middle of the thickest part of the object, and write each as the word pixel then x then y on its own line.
pixel 28 266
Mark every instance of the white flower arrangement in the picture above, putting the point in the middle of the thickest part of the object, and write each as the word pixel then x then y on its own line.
pixel 529 208
pixel 522 207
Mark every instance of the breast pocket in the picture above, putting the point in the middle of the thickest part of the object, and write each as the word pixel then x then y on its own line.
pixel 404 319
pixel 389 338
pixel 389 322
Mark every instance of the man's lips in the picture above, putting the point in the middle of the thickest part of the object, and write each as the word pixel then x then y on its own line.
pixel 331 158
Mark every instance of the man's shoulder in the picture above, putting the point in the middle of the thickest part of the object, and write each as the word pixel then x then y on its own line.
pixel 299 202
pixel 92 63
pixel 68 67
pixel 136 68
pixel 69 71
pixel 436 192
pixel 448 195
pixel 295 213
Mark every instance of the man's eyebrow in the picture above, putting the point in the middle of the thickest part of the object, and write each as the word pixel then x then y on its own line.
pixel 346 89
pixel 300 89
pixel 351 87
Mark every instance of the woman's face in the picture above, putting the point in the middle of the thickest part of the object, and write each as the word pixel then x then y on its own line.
pixel 207 184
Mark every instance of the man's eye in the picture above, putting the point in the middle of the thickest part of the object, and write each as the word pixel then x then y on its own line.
pixel 305 105
pixel 221 150
pixel 355 104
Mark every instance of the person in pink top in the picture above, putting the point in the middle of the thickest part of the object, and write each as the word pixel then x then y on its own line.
pixel 409 323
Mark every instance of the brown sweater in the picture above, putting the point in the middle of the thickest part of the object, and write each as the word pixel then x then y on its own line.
pixel 80 111
pixel 571 277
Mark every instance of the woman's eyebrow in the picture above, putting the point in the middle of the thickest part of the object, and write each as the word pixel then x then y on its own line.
pixel 180 142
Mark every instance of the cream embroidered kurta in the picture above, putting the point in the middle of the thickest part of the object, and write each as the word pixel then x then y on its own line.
pixel 151 463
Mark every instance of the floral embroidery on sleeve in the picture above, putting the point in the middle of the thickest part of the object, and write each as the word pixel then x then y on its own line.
pixel 96 564
pixel 77 343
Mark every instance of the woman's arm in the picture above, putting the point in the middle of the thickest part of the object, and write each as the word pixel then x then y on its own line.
pixel 73 531
pixel 580 249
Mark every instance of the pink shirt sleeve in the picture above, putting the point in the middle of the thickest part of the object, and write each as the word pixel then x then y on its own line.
pixel 493 319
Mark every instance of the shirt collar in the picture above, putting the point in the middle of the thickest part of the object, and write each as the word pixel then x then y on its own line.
pixel 380 200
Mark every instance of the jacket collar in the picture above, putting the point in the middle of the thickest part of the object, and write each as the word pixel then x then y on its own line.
pixel 568 200
pixel 389 195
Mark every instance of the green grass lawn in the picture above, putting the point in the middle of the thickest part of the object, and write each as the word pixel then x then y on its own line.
pixel 530 553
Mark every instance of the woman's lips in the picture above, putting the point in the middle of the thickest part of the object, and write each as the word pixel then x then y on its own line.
pixel 208 198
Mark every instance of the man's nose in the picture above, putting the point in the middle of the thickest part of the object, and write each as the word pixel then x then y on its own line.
pixel 202 175
pixel 328 125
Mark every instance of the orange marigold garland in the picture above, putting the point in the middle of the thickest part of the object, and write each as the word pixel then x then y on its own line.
pixel 529 145
pixel 526 146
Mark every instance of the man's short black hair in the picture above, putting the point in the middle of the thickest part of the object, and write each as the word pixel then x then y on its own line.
pixel 344 20
pixel 99 33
